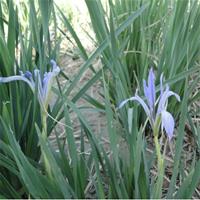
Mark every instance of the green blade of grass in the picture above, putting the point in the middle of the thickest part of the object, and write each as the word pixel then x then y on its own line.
pixel 58 176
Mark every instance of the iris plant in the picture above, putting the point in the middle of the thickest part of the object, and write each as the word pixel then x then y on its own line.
pixel 160 114
pixel 156 111
pixel 42 86
pixel 39 84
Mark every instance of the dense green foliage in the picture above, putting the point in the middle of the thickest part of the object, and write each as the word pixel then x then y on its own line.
pixel 130 37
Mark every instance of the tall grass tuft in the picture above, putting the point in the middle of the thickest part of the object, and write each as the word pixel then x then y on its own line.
pixel 25 44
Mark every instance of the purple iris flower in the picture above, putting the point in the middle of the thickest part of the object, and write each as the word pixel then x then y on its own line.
pixel 167 120
pixel 44 83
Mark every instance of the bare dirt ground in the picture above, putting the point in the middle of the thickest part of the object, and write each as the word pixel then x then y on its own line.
pixel 95 119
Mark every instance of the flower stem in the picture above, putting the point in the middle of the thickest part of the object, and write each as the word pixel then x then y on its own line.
pixel 160 163
pixel 159 155
pixel 44 125
pixel 44 135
